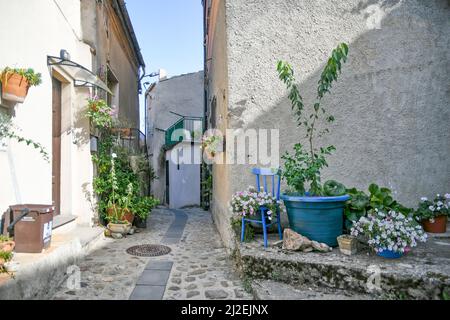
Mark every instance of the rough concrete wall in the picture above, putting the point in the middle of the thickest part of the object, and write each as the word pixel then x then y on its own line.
pixel 181 94
pixel 218 88
pixel 391 103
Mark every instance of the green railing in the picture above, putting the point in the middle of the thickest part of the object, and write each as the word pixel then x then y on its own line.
pixel 187 128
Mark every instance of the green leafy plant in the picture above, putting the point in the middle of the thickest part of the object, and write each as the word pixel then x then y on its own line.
pixel 33 78
pixel 117 184
pixel 431 209
pixel 143 206
pixel 379 198
pixel 305 165
pixel 99 112
pixel 7 130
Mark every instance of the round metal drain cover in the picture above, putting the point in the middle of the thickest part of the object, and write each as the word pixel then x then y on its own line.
pixel 149 250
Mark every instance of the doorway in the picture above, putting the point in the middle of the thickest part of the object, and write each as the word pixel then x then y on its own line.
pixel 56 144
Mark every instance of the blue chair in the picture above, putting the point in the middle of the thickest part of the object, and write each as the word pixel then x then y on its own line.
pixel 275 177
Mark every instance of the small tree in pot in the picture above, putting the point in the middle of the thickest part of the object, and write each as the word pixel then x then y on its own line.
pixel 317 214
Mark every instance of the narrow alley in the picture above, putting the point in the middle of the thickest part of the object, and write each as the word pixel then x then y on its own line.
pixel 197 267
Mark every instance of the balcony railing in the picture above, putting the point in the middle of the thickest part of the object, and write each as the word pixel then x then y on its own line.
pixel 132 139
pixel 187 128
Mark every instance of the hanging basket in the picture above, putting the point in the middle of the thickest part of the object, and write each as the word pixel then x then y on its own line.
pixel 14 87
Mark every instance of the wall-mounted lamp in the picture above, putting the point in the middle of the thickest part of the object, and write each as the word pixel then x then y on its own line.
pixel 63 54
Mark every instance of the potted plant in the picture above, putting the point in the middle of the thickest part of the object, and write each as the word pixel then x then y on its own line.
pixel 212 145
pixel 117 205
pixel 318 213
pixel 6 244
pixel 99 112
pixel 6 252
pixel 389 234
pixel 17 81
pixel 434 214
pixel 247 203
pixel 360 203
pixel 142 209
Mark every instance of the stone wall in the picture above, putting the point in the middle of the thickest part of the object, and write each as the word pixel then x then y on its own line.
pixel 391 102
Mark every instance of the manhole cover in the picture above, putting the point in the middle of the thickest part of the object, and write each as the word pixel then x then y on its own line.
pixel 149 250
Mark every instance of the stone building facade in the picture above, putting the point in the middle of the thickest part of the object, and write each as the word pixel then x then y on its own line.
pixel 99 37
pixel 391 102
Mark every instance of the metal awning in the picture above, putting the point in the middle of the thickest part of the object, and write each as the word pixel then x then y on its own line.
pixel 81 75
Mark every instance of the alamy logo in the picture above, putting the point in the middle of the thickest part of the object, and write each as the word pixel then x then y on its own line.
pixel 74 279
pixel 374 281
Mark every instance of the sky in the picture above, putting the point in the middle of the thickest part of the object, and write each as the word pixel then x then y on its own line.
pixel 170 34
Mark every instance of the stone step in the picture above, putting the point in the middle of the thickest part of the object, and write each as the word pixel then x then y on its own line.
pixel 40 274
pixel 272 290
pixel 424 273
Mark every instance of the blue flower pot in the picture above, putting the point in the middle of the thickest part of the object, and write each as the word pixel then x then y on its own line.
pixel 389 254
pixel 318 218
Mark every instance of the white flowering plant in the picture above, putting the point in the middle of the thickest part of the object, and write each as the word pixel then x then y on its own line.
pixel 391 231
pixel 430 209
pixel 249 202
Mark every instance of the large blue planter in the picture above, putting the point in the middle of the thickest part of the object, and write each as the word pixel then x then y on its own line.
pixel 388 254
pixel 317 218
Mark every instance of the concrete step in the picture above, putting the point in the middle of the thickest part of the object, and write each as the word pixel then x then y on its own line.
pixel 423 273
pixel 272 290
pixel 39 275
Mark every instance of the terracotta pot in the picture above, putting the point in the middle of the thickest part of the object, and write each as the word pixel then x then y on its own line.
pixel 7 246
pixel 438 226
pixel 124 132
pixel 122 228
pixel 14 87
pixel 127 214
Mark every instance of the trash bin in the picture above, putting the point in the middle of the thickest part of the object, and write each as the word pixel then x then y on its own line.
pixel 31 227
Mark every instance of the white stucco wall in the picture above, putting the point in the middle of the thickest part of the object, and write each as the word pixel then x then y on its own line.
pixel 31 30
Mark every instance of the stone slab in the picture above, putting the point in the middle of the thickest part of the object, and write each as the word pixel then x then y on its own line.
pixel 159 265
pixel 143 292
pixel 154 277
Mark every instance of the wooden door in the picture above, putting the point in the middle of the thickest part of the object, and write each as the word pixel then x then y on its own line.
pixel 56 145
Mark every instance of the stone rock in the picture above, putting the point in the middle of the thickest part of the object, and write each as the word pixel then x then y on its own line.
pixel 224 284
pixel 238 293
pixel 176 280
pixel 209 284
pixel 196 272
pixel 191 287
pixel 174 288
pixel 216 294
pixel 190 279
pixel 191 294
pixel 294 242
pixel 116 235
pixel 107 233
pixel 132 231
pixel 321 247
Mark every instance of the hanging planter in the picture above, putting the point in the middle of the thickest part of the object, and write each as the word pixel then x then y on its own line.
pixel 16 82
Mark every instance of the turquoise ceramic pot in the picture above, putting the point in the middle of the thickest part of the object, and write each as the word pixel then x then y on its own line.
pixel 317 218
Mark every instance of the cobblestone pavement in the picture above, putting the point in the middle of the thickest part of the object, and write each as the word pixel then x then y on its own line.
pixel 200 268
